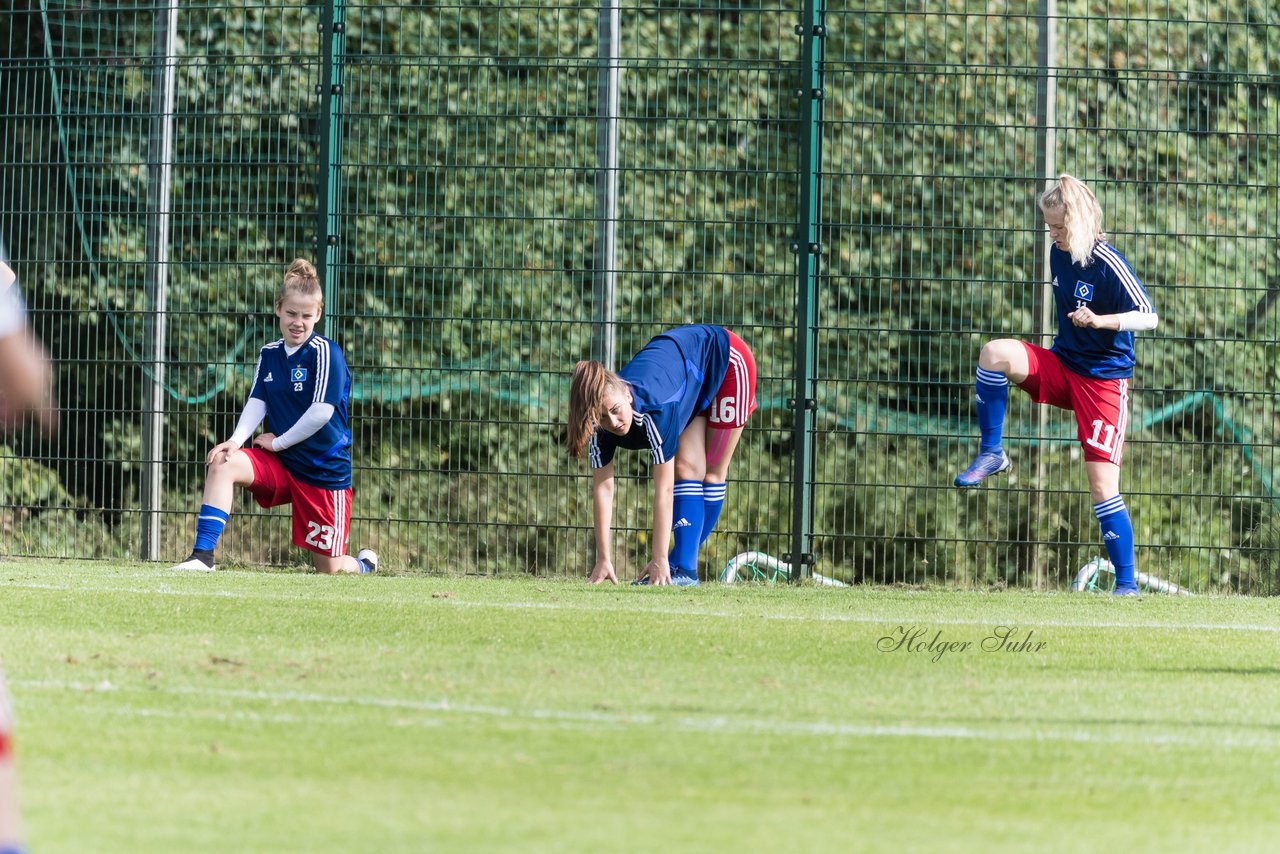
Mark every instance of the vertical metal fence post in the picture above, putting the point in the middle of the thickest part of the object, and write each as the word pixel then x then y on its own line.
pixel 605 278
pixel 159 175
pixel 808 250
pixel 1046 164
pixel 333 43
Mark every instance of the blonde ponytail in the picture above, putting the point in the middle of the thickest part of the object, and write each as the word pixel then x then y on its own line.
pixel 588 385
pixel 1082 216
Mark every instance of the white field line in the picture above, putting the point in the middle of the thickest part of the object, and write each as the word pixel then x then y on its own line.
pixel 163 589
pixel 254 717
pixel 590 719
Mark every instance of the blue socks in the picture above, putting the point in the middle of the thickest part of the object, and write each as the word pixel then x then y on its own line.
pixel 1117 536
pixel 687 514
pixel 993 399
pixel 209 527
pixel 695 509
pixel 712 503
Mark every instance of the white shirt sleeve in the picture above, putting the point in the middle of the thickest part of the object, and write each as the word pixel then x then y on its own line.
pixel 1137 321
pixel 316 416
pixel 255 410
pixel 13 314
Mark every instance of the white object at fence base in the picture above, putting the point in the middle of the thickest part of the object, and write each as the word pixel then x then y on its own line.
pixel 1088 574
pixel 761 566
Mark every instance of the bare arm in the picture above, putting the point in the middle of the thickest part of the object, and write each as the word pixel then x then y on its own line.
pixel 664 481
pixel 602 482
pixel 25 381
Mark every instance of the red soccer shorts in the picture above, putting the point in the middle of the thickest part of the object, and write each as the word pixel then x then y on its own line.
pixel 1101 406
pixel 736 398
pixel 321 517
pixel 6 720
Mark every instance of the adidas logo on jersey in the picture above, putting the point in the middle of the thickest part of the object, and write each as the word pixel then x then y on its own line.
pixel 267 378
pixel 683 523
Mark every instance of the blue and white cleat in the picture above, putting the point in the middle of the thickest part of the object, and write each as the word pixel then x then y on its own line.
pixel 684 577
pixel 368 560
pixel 983 466
pixel 679 578
pixel 1126 591
pixel 198 562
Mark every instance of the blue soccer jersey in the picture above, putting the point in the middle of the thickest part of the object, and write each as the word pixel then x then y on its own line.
pixel 674 377
pixel 315 373
pixel 1107 285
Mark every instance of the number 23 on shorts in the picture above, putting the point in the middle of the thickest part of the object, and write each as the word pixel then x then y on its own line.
pixel 320 536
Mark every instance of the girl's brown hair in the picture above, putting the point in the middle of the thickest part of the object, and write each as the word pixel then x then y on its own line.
pixel 301 279
pixel 1082 215
pixel 588 385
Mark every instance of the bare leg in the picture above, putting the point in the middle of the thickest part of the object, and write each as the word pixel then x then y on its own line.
pixel 721 445
pixel 1104 480
pixel 10 820
pixel 331 565
pixel 227 469
pixel 1006 356
pixel 691 456
pixel 219 486
pixel 1001 362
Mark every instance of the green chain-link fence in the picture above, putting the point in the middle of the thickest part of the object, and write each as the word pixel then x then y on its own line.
pixel 494 191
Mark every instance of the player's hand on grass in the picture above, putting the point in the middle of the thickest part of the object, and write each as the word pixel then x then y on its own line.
pixel 659 571
pixel 603 572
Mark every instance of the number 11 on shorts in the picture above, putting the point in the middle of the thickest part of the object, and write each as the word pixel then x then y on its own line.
pixel 1101 430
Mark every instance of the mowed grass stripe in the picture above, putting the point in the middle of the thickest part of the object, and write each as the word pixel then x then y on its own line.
pixel 1119 614
pixel 1136 734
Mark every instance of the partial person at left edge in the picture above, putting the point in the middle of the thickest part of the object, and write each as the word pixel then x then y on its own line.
pixel 26 380
pixel 26 388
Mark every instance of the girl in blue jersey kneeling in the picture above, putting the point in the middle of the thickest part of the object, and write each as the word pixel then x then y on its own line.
pixel 685 399
pixel 1100 304
pixel 301 386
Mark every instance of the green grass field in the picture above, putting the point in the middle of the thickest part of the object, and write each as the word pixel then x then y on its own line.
pixel 245 711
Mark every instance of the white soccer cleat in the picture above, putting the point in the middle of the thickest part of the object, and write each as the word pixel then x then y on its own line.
pixel 370 557
pixel 194 564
